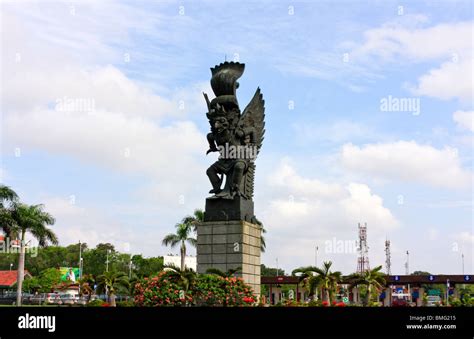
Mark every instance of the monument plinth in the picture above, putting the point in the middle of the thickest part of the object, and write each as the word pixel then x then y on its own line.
pixel 230 236
pixel 229 245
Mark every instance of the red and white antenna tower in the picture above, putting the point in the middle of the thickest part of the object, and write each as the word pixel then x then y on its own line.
pixel 363 260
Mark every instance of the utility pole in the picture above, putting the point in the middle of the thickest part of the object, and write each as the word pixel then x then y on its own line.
pixel 130 268
pixel 277 265
pixel 388 262
pixel 80 260
pixel 407 272
pixel 107 261
pixel 316 256
pixel 462 259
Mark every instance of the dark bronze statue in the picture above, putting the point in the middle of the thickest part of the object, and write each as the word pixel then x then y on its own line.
pixel 236 136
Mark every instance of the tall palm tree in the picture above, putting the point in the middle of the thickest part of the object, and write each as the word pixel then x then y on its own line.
pixel 185 277
pixel 181 236
pixel 195 219
pixel 8 199
pixel 373 279
pixel 323 278
pixel 34 220
pixel 113 282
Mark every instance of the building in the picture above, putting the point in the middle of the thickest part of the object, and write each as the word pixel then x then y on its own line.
pixel 189 261
pixel 8 280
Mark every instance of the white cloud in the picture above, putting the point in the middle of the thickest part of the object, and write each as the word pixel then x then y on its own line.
pixel 408 161
pixel 397 42
pixel 464 119
pixel 307 212
pixel 394 40
pixel 450 80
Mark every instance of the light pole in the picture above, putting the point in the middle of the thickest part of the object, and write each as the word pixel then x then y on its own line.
pixel 130 268
pixel 107 261
pixel 277 265
pixel 11 265
pixel 462 258
pixel 80 260
pixel 316 256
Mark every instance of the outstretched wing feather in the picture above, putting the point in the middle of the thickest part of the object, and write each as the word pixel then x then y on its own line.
pixel 254 116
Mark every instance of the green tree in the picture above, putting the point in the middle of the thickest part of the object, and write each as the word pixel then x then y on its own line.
pixel 34 220
pixel 195 219
pixel 146 267
pixel 372 279
pixel 95 260
pixel 113 283
pixel 182 235
pixel 271 271
pixel 323 278
pixel 184 277
pixel 8 200
pixel 48 279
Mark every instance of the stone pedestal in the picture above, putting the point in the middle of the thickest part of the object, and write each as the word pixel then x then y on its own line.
pixel 228 245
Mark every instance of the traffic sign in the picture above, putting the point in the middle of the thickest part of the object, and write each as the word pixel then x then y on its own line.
pixel 467 277
pixel 431 277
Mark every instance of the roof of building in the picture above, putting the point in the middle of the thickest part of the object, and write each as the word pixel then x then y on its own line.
pixel 8 278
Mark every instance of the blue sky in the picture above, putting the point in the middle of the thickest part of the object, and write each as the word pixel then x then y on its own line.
pixel 130 169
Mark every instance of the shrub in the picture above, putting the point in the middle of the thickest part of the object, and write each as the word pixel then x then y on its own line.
pixel 161 290
pixel 212 290
pixel 207 290
pixel 96 303
pixel 125 304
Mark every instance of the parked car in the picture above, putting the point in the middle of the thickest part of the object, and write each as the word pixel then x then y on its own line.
pixel 433 300
pixel 68 299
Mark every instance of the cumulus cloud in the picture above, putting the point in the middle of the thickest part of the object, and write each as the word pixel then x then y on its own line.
pixel 464 120
pixel 408 161
pixel 307 212
pixel 450 80
pixel 393 40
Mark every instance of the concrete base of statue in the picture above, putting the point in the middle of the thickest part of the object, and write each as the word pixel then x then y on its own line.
pixel 229 245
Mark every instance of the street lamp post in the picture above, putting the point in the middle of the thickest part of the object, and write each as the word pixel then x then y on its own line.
pixel 107 261
pixel 130 268
pixel 316 256
pixel 277 266
pixel 80 260
pixel 11 265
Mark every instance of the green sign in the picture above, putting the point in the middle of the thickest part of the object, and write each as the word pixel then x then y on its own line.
pixel 434 292
pixel 345 299
pixel 67 275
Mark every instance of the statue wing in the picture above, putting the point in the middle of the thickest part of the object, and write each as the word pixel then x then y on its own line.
pixel 253 118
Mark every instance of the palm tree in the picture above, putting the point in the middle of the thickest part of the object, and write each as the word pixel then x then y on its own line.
pixel 184 277
pixel 86 284
pixel 323 278
pixel 195 219
pixel 230 273
pixel 8 199
pixel 34 220
pixel 181 236
pixel 371 278
pixel 112 282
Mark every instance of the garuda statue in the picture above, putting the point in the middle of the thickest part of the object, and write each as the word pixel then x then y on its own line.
pixel 236 135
